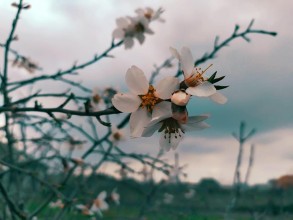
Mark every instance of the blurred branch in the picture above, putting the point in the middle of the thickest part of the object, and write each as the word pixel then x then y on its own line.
pixel 235 35
pixel 13 208
pixel 250 164
pixel 60 73
pixel 50 111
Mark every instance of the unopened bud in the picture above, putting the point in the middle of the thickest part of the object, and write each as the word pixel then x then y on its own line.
pixel 180 98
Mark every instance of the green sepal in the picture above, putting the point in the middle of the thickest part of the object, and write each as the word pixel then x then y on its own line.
pixel 220 87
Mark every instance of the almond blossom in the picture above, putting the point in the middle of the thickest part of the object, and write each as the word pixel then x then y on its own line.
pixel 117 135
pixel 84 209
pixel 129 28
pixel 57 204
pixel 144 100
pixel 150 13
pixel 115 197
pixel 100 204
pixel 173 130
pixel 194 81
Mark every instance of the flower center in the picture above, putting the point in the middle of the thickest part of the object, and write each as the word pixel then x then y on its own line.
pixel 117 136
pixel 96 98
pixel 149 100
pixel 148 15
pixel 139 28
pixel 196 79
pixel 171 127
pixel 98 203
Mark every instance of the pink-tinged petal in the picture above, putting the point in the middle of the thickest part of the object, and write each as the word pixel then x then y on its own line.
pixel 166 87
pixel 174 52
pixel 186 61
pixel 118 33
pixel 151 129
pixel 128 42
pixel 162 110
pixel 126 102
pixel 102 195
pixel 136 81
pixel 196 119
pixel 104 205
pixel 94 208
pixel 140 37
pixel 218 98
pixel 167 142
pixel 122 22
pixel 203 90
pixel 138 121
pixel 194 126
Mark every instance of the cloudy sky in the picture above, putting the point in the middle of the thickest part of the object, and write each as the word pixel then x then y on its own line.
pixel 56 33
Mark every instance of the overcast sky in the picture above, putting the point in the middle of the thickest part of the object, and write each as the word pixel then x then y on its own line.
pixel 260 74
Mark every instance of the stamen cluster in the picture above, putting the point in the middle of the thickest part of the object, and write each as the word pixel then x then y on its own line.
pixel 149 100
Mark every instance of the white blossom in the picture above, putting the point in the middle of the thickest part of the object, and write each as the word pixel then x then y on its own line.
pixel 172 130
pixel 115 197
pixel 193 77
pixel 117 135
pixel 144 100
pixel 57 204
pixel 129 28
pixel 150 13
pixel 100 204
pixel 84 209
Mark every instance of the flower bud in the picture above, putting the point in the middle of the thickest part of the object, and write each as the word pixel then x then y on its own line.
pixel 180 98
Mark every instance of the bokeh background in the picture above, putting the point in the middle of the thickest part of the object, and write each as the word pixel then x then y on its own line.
pixel 260 74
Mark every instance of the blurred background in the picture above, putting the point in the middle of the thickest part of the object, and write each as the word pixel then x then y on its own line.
pixel 55 33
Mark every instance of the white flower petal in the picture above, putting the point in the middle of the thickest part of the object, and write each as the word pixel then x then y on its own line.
pixel 174 52
pixel 218 98
pixel 186 61
pixel 80 206
pixel 166 87
pixel 118 33
pixel 104 205
pixel 196 119
pixel 102 195
pixel 126 102
pixel 136 81
pixel 151 129
pixel 122 22
pixel 128 42
pixel 194 126
pixel 170 142
pixel 203 90
pixel 162 110
pixel 138 121
pixel 95 209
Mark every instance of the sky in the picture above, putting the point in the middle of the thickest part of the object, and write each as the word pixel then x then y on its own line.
pixel 57 33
